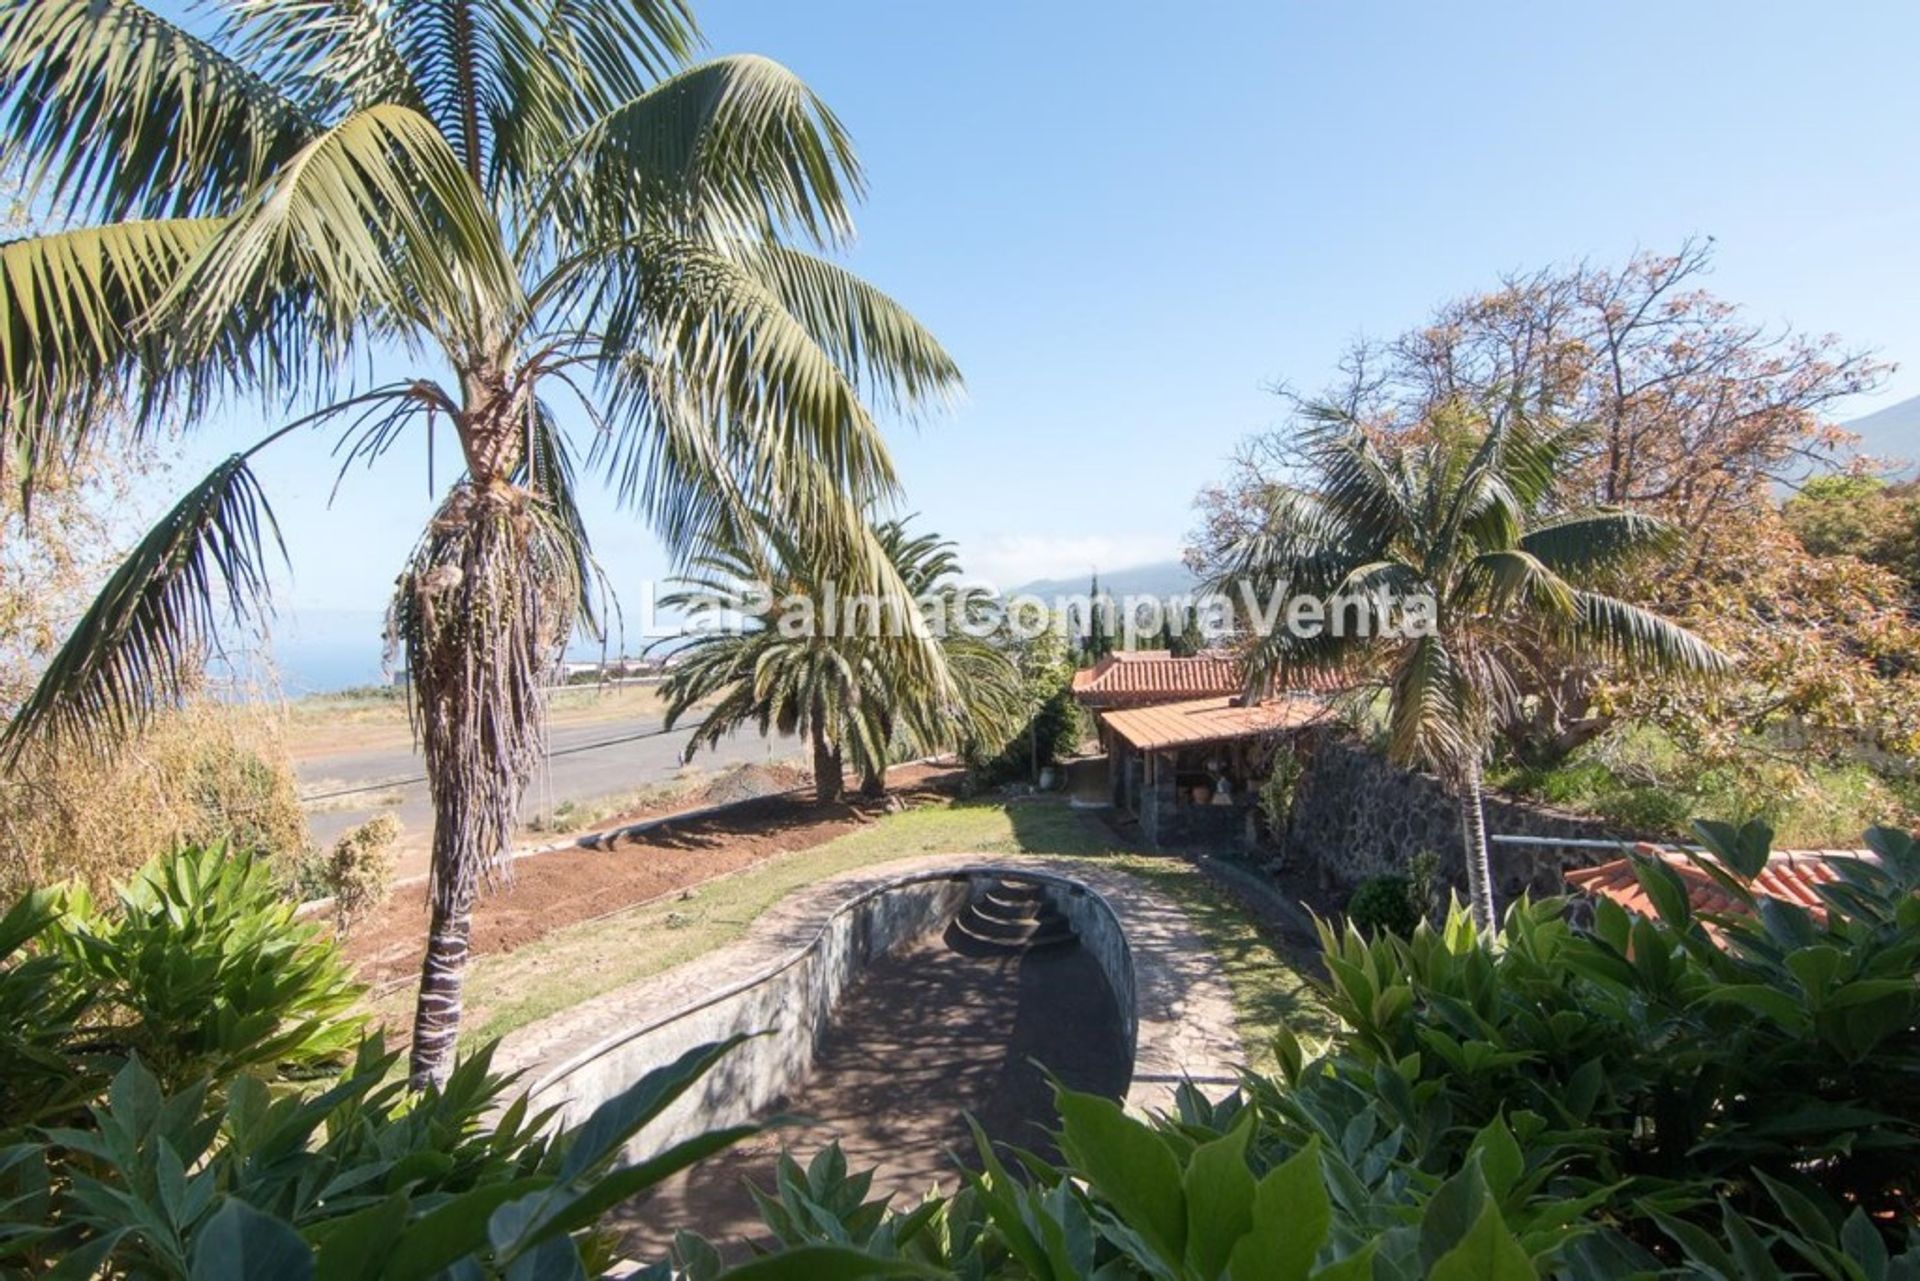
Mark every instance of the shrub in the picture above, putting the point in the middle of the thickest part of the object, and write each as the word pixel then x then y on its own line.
pixel 1680 1060
pixel 1726 1098
pixel 1425 884
pixel 1281 789
pixel 1190 1198
pixel 1384 903
pixel 153 1127
pixel 359 1180
pixel 1639 777
pixel 360 868
pixel 200 970
pixel 200 775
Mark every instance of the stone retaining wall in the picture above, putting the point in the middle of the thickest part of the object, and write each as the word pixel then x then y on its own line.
pixel 793 1002
pixel 1356 815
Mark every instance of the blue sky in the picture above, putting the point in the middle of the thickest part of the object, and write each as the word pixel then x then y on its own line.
pixel 1128 220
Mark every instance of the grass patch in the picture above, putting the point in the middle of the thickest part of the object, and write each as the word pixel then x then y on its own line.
pixel 1640 778
pixel 575 963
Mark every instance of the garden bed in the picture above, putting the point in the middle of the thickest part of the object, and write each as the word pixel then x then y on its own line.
pixel 566 887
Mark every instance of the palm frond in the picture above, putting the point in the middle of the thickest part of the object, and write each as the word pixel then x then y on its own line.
pixel 1358 487
pixel 586 60
pixel 117 113
pixel 1593 542
pixel 776 408
pixel 1431 714
pixel 546 469
pixel 71 344
pixel 738 144
pixel 1613 628
pixel 1480 475
pixel 376 220
pixel 142 642
pixel 1511 579
pixel 665 459
pixel 922 559
pixel 861 686
pixel 332 56
pixel 875 341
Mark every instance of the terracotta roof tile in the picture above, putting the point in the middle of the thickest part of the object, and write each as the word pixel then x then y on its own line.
pixel 1149 676
pixel 1208 720
pixel 1793 876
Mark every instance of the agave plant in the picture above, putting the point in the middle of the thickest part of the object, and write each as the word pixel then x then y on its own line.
pixel 896 669
pixel 535 201
pixel 1459 514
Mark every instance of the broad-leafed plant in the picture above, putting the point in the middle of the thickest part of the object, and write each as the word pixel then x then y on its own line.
pixel 540 208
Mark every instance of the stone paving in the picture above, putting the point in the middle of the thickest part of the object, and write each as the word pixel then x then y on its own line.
pixel 1183 1003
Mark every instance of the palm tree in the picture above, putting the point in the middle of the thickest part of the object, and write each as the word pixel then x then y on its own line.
pixel 854 691
pixel 982 708
pixel 1460 513
pixel 538 204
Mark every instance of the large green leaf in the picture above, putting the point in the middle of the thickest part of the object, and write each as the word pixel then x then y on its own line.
pixel 568 1208
pixel 1128 1165
pixel 239 1243
pixel 1291 1217
pixel 1488 1252
pixel 1219 1192
pixel 600 1137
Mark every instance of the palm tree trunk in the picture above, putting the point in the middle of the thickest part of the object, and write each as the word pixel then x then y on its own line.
pixel 482 610
pixel 873 773
pixel 1473 828
pixel 436 1014
pixel 829 783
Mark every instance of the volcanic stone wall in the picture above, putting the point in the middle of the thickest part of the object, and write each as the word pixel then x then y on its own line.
pixel 1356 816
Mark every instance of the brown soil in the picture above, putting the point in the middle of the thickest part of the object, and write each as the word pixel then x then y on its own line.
pixel 942 1029
pixel 565 887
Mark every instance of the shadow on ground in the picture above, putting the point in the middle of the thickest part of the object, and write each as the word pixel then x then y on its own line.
pixel 939 1030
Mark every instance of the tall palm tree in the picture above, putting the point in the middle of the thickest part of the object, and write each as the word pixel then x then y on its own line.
pixel 1459 512
pixel 855 692
pixel 539 205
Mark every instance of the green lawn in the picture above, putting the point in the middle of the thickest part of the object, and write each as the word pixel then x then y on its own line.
pixel 508 991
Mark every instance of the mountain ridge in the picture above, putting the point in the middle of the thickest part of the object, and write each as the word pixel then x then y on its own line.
pixel 1160 578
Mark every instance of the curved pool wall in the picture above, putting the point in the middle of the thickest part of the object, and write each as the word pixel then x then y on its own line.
pixel 793 1002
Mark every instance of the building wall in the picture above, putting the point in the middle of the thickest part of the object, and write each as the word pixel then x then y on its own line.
pixel 1167 823
pixel 1356 816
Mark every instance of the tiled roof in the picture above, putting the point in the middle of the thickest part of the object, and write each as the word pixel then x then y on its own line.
pixel 1208 720
pixel 1790 875
pixel 1154 675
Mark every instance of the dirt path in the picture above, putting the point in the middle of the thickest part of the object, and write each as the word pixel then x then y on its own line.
pixel 940 1029
pixel 569 886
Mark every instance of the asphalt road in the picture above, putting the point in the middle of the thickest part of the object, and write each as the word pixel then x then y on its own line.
pixel 587 763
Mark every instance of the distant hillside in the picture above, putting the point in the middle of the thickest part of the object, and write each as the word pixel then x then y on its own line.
pixel 1893 432
pixel 1162 578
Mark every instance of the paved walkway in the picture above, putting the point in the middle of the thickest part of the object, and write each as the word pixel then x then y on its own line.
pixel 1184 1005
